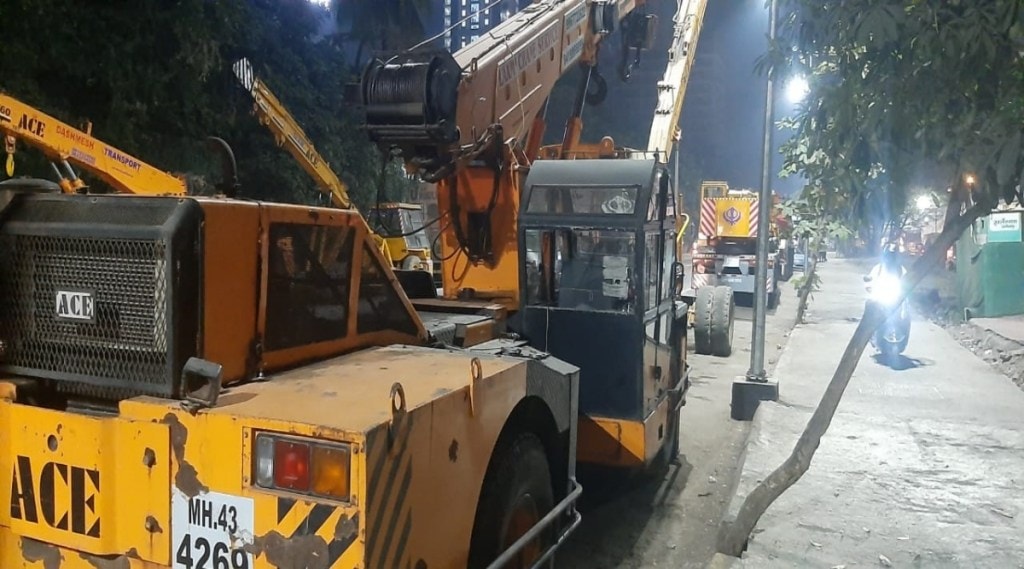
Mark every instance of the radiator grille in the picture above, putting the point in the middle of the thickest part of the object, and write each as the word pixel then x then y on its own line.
pixel 127 339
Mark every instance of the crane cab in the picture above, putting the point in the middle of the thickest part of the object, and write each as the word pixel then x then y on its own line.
pixel 599 279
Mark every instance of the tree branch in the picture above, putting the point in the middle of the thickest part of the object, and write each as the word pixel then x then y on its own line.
pixel 734 536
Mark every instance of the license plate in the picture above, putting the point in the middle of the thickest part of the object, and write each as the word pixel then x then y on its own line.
pixel 732 262
pixel 210 530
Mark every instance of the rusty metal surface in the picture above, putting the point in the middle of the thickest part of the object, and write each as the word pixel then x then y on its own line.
pixel 359 384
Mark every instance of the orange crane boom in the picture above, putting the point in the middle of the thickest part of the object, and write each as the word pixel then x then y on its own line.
pixel 473 121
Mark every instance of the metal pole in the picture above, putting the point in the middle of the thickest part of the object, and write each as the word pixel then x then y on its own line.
pixel 757 371
pixel 678 199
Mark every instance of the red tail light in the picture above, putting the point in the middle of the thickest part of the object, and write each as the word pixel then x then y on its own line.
pixel 291 465
pixel 303 465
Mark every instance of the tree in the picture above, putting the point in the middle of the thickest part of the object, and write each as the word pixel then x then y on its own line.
pixel 817 216
pixel 899 90
pixel 381 24
pixel 156 80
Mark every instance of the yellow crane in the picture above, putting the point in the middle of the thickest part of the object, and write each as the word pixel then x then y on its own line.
pixel 360 427
pixel 64 145
pixel 397 226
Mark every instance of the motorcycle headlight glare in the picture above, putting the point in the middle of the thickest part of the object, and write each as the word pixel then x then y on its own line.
pixel 886 290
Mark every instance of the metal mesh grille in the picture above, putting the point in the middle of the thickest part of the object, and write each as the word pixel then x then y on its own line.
pixel 127 337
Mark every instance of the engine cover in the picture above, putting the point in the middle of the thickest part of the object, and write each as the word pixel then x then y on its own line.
pixel 101 293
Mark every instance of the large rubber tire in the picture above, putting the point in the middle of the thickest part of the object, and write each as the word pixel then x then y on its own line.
pixel 517 484
pixel 702 320
pixel 722 317
pixel 902 346
pixel 30 185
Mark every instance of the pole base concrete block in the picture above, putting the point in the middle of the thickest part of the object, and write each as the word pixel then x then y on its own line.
pixel 748 394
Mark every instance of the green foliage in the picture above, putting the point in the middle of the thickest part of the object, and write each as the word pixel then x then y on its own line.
pixel 156 79
pixel 382 24
pixel 817 214
pixel 903 90
pixel 813 281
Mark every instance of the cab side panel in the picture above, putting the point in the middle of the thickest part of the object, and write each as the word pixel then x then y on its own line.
pixel 231 284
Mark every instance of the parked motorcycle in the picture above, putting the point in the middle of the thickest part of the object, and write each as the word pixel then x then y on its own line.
pixel 884 290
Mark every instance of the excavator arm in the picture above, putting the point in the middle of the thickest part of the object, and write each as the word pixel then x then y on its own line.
pixel 473 121
pixel 65 145
pixel 289 135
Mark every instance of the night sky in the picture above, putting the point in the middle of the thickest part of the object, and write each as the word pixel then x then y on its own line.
pixel 723 113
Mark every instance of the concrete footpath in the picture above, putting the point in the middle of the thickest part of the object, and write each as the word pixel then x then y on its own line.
pixel 1009 327
pixel 923 465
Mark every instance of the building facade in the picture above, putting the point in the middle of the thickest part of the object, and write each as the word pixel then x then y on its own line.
pixel 466 20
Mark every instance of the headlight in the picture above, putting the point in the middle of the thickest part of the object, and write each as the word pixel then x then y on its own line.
pixel 886 290
pixel 304 465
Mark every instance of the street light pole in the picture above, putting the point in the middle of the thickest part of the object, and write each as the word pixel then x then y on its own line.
pixel 757 371
pixel 749 390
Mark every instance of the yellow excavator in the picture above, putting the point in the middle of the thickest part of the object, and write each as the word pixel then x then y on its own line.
pixel 398 227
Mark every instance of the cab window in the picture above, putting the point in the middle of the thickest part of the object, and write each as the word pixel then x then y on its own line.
pixel 581 269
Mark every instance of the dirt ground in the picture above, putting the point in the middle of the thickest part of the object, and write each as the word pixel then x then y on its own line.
pixel 672 520
pixel 935 298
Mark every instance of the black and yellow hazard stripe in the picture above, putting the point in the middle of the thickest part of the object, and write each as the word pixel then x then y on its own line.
pixel 299 518
pixel 388 513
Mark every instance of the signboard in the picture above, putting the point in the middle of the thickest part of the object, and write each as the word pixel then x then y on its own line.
pixel 1004 227
pixel 512 66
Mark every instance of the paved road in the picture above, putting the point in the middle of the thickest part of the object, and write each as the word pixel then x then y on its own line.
pixel 672 520
pixel 922 464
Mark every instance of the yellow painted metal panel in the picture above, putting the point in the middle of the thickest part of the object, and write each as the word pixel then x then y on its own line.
pixel 732 216
pixel 611 442
pixel 622 442
pixel 445 437
pixel 98 485
pixel 26 553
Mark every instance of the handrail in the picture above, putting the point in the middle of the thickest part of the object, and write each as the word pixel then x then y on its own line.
pixel 566 504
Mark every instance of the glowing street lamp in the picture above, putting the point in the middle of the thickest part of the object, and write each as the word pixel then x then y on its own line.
pixel 797 89
pixel 969 178
pixel 924 202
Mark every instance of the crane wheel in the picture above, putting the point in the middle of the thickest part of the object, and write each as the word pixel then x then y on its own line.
pixel 702 320
pixel 516 494
pixel 713 322
pixel 722 318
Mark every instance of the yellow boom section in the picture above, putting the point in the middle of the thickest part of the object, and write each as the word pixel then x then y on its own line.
pixel 687 24
pixel 288 134
pixel 63 143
